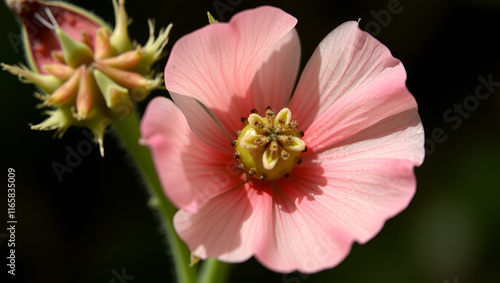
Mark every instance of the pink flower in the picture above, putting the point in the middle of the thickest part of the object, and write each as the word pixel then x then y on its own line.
pixel 359 121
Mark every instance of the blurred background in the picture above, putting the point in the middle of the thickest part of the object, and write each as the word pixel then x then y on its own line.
pixel 96 224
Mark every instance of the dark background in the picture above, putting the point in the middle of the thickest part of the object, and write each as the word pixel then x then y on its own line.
pixel 96 221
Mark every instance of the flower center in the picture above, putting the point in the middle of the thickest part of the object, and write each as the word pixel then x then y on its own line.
pixel 269 147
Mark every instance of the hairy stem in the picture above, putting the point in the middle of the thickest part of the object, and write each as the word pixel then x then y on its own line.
pixel 128 131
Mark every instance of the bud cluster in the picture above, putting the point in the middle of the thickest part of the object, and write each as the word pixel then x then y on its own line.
pixel 87 72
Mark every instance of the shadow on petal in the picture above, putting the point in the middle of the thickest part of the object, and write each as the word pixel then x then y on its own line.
pixel 272 85
pixel 208 172
pixel 305 182
pixel 229 226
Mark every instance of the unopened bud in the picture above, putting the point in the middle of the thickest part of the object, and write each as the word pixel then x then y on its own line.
pixel 88 72
pixel 119 39
pixel 84 99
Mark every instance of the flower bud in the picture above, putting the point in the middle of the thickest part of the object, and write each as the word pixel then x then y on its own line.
pixel 88 72
pixel 85 97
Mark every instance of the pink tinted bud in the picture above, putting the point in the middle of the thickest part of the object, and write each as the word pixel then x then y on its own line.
pixel 67 91
pixel 67 46
pixel 127 60
pixel 102 46
pixel 84 97
pixel 126 78
pixel 61 71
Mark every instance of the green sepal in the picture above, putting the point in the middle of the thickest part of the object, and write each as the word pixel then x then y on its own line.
pixel 76 53
pixel 117 97
pixel 119 39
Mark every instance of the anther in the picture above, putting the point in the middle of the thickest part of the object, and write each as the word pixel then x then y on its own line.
pixel 281 122
pixel 240 167
pixel 244 121
pixel 233 143
pixel 253 111
pixel 284 155
pixel 237 133
pixel 301 134
pixel 252 171
pixel 298 160
pixel 237 155
pixel 262 178
pixel 286 139
pixel 258 124
pixel 286 175
pixel 305 149
pixel 293 124
pixel 269 113
pixel 273 147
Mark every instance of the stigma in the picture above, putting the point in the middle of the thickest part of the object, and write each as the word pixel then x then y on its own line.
pixel 269 147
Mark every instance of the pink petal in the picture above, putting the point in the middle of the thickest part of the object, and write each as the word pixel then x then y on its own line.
pixel 230 226
pixel 273 84
pixel 203 124
pixel 322 209
pixel 190 171
pixel 217 64
pixel 350 83
pixel 357 196
pixel 400 136
pixel 298 237
pixel 361 195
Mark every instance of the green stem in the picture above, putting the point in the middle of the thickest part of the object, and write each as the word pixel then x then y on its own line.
pixel 214 271
pixel 128 130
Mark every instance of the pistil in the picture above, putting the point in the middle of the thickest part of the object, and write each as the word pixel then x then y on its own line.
pixel 268 147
